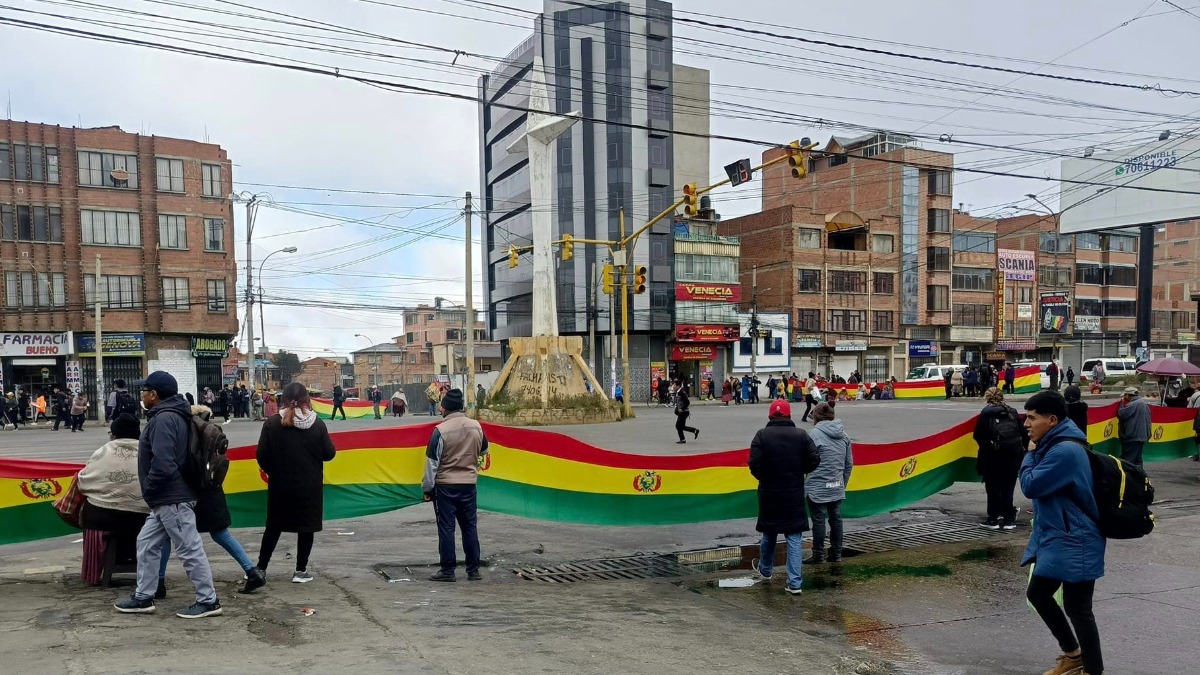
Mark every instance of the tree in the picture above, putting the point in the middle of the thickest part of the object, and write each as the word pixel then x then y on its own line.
pixel 288 365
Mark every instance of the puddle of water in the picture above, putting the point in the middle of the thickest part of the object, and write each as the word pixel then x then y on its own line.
pixel 978 554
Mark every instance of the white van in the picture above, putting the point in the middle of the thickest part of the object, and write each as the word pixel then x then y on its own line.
pixel 930 371
pixel 1042 365
pixel 1113 368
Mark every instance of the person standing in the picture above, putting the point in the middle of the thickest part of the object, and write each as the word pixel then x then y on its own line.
pixel 452 458
pixel 1065 548
pixel 62 408
pixel 1133 424
pixel 225 402
pixel 208 398
pixel 339 399
pixel 825 487
pixel 682 405
pixel 79 408
pixel 162 456
pixel 949 378
pixel 292 450
pixel 726 391
pixel 1098 376
pixel 257 402
pixel 780 455
pixel 956 381
pixel 1001 440
pixel 376 399
pixel 399 403
pixel 1052 373
pixel 619 394
pixel 1077 410
pixel 1070 376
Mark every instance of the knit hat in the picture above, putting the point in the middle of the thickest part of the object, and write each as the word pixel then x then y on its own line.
pixel 125 426
pixel 823 412
pixel 453 401
pixel 780 408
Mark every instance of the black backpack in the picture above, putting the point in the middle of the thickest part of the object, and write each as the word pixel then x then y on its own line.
pixel 124 404
pixel 1123 496
pixel 207 463
pixel 1007 435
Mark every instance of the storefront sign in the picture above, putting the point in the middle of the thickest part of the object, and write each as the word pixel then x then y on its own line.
pixel 922 349
pixel 210 347
pixel 115 344
pixel 708 292
pixel 705 333
pixel 35 344
pixel 74 376
pixel 1024 311
pixel 1016 265
pixel 807 342
pixel 1087 324
pixel 706 371
pixel 1023 345
pixel 998 315
pixel 1055 312
pixel 658 370
pixel 693 352
pixel 995 356
pixel 850 346
pixel 1186 338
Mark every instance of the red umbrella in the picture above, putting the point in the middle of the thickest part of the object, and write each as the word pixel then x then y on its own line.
pixel 1169 367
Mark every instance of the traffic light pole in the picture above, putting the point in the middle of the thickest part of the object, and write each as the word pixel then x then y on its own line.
pixel 625 321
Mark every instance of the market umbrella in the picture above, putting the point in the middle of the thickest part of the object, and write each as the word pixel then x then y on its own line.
pixel 1168 367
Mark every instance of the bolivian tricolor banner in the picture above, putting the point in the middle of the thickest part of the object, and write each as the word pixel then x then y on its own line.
pixel 354 409
pixel 1028 380
pixel 549 476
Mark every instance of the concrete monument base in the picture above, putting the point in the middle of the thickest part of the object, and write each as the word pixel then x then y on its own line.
pixel 543 375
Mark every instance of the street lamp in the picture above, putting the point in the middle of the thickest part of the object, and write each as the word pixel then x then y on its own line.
pixel 251 201
pixel 374 366
pixel 468 338
pixel 262 317
pixel 1057 245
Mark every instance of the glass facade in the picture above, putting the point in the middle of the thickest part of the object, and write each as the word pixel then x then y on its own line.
pixel 910 284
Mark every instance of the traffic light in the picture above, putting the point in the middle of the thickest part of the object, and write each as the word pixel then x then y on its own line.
pixel 639 279
pixel 607 277
pixel 568 247
pixel 798 158
pixel 512 257
pixel 691 204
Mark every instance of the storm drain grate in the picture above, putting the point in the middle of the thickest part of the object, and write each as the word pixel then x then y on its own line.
pixel 606 569
pixel 911 535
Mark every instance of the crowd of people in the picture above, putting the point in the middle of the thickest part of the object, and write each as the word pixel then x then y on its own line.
pixel 68 408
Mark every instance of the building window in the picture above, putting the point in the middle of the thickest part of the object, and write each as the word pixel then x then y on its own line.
pixel 841 281
pixel 1087 273
pixel 107 169
pixel 883 322
pixel 808 320
pixel 116 292
pixel 807 237
pixel 214 234
pixel 1120 275
pixel 216 295
pixel 172 232
pixel 1088 307
pixel 1053 242
pixel 939 182
pixel 937 259
pixel 937 298
pixel 210 176
pixel 170 174
pixel 939 220
pixel 1053 275
pixel 808 281
pixel 35 289
pixel 1087 241
pixel 110 228
pixel 1120 308
pixel 1024 294
pixel 28 162
pixel 974 315
pixel 973 279
pixel 1123 243
pixel 884 283
pixel 974 242
pixel 883 243
pixel 175 293
pixel 773 346
pixel 31 223
pixel 838 160
pixel 847 321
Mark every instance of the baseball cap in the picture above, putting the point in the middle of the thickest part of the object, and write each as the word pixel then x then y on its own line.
pixel 160 381
pixel 780 408
pixel 1132 391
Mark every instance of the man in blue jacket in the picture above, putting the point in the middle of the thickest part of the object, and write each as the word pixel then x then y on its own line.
pixel 162 462
pixel 1066 543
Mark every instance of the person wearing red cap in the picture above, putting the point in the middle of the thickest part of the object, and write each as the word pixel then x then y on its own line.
pixel 780 455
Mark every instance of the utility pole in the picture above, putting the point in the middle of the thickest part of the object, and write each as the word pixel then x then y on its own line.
pixel 754 322
pixel 612 338
pixel 592 322
pixel 100 398
pixel 627 253
pixel 1145 289
pixel 470 316
pixel 250 207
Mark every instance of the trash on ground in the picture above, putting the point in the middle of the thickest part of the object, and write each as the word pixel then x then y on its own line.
pixel 737 582
pixel 308 611
pixel 343 534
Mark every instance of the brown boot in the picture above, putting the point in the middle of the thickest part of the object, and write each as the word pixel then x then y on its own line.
pixel 1067 665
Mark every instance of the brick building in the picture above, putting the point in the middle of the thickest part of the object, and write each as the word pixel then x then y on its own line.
pixel 323 374
pixel 156 212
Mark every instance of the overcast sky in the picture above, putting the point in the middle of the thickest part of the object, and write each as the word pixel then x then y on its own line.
pixel 293 129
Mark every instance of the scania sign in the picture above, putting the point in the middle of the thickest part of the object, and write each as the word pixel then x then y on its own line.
pixel 708 292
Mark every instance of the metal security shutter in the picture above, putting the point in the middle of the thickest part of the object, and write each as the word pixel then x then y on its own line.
pixel 128 368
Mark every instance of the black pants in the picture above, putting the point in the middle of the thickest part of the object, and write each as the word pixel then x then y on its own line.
pixel 456 504
pixel 681 424
pixel 62 418
pixel 77 422
pixel 1131 451
pixel 336 407
pixel 1000 486
pixel 1077 603
pixel 1008 387
pixel 808 406
pixel 831 511
pixel 304 544
pixel 949 391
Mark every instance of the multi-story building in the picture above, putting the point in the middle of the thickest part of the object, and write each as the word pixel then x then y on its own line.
pixel 324 373
pixel 707 294
pixel 381 364
pixel 615 63
pixel 433 344
pixel 151 216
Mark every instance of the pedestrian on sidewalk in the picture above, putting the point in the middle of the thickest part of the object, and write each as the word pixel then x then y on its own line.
pixel 1010 377
pixel 825 487
pixel 1065 547
pixel 1133 425
pixel 62 408
pixel 339 398
pixel 1002 441
pixel 1077 409
pixel 682 405
pixel 949 379
pixel 780 455
pixel 162 456
pixel 726 392
pixel 292 450
pixel 1098 375
pixel 455 450
pixel 6 410
pixel 1053 374
pixel 1070 376
pixel 225 401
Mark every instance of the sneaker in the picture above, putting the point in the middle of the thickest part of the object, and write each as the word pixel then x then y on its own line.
pixel 1009 525
pixel 794 591
pixel 132 605
pixel 1066 665
pixel 161 592
pixel 817 558
pixel 442 576
pixel 680 442
pixel 255 579
pixel 758 570
pixel 474 576
pixel 300 577
pixel 695 434
pixel 990 524
pixel 200 610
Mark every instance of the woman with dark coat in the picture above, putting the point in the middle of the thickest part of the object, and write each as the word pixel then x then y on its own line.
pixel 1002 441
pixel 292 450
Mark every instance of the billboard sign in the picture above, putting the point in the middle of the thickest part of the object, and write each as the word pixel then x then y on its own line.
pixel 1055 311
pixel 697 290
pixel 922 349
pixel 115 344
pixel 1170 167
pixel 1016 265
pixel 692 332
pixel 685 352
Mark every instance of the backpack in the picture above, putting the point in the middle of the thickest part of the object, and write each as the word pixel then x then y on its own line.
pixel 124 404
pixel 1123 496
pixel 207 464
pixel 1006 433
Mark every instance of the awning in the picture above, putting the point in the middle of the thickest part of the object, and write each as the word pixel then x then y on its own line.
pixel 843 221
pixel 34 362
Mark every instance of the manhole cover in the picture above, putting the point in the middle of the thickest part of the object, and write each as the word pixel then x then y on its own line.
pixel 606 569
pixel 911 535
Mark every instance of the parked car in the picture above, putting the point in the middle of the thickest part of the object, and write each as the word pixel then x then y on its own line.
pixel 1113 368
pixel 1042 365
pixel 930 371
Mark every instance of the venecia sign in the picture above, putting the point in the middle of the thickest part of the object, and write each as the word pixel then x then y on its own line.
pixel 35 344
pixel 708 292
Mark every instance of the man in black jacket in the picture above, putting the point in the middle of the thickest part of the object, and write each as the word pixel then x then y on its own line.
pixel 62 408
pixel 682 405
pixel 780 455
pixel 1002 440
pixel 162 463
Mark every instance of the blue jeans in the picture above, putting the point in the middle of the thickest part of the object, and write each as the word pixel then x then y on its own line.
pixel 225 539
pixel 795 556
pixel 456 503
